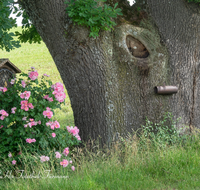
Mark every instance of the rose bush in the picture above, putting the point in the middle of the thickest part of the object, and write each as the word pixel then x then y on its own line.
pixel 26 110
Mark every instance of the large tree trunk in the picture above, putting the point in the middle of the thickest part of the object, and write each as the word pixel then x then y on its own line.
pixel 110 80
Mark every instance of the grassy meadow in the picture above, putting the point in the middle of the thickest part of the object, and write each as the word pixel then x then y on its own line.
pixel 161 161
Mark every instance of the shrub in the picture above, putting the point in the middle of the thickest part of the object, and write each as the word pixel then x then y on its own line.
pixel 25 118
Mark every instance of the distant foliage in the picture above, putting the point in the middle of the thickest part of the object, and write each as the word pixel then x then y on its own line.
pixel 194 1
pixel 88 13
pixel 6 38
pixel 29 32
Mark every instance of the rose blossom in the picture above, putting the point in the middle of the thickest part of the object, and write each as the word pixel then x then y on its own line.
pixel 14 162
pixel 48 98
pixel 13 110
pixel 73 168
pixel 58 155
pixel 74 131
pixel 60 96
pixel 50 123
pixel 58 87
pixel 3 89
pixel 78 137
pixel 23 84
pixel 48 113
pixel 33 140
pixel 25 95
pixel 12 81
pixel 25 105
pixel 1 127
pixel 9 155
pixel 66 151
pixel 4 113
pixel 64 163
pixel 53 135
pixel 44 158
pixel 30 140
pixel 56 124
pixel 33 75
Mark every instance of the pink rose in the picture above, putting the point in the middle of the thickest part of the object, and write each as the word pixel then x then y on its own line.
pixel 50 99
pixel 30 140
pixel 30 105
pixel 3 113
pixel 60 96
pixel 46 96
pixel 64 163
pixel 49 123
pixel 56 124
pixel 48 113
pixel 74 131
pixel 53 135
pixel 12 81
pixel 66 151
pixel 44 158
pixel 23 84
pixel 78 137
pixel 4 89
pixel 13 110
pixel 14 162
pixel 58 155
pixel 73 168
pixel 33 75
pixel 58 87
pixel 25 95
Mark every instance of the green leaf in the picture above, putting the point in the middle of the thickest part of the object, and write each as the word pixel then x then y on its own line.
pixel 115 5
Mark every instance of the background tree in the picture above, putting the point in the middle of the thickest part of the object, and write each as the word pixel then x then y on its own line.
pixel 110 79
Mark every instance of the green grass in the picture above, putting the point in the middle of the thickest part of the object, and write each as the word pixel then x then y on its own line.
pixel 124 166
pixel 37 55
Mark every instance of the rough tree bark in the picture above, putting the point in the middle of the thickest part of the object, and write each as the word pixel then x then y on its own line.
pixel 110 80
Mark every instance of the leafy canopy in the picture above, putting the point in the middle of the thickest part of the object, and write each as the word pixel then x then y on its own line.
pixel 83 12
pixel 6 38
pixel 88 13
pixel 28 34
pixel 193 1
